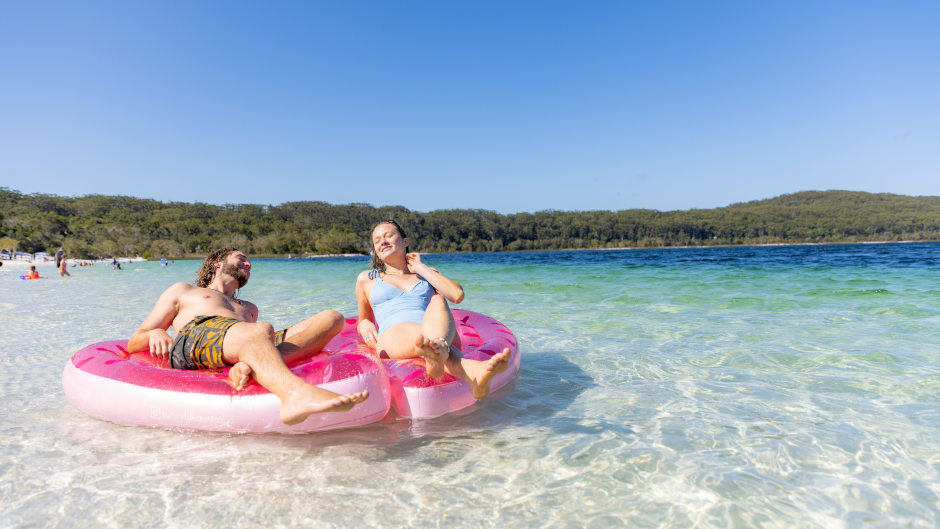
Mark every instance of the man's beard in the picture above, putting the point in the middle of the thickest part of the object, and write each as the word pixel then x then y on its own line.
pixel 237 273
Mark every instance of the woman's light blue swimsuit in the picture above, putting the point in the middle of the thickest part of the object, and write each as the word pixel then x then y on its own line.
pixel 392 306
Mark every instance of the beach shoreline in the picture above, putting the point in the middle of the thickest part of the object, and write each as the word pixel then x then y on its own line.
pixel 22 264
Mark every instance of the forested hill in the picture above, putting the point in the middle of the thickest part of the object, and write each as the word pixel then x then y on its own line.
pixel 101 226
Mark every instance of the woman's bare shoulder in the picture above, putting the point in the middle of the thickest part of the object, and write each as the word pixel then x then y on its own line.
pixel 364 281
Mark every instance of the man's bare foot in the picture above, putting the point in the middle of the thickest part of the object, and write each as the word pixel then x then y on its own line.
pixel 434 353
pixel 299 405
pixel 481 373
pixel 238 376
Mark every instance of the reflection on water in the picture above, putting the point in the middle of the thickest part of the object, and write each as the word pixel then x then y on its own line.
pixel 732 387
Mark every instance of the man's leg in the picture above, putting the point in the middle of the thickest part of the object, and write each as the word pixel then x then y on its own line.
pixel 253 344
pixel 302 340
pixel 311 335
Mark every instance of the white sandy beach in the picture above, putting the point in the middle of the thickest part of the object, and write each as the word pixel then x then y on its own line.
pixel 18 264
pixel 48 267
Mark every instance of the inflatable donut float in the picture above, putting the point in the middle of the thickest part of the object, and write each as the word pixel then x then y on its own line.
pixel 106 381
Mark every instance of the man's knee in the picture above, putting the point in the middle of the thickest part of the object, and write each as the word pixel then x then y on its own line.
pixel 248 331
pixel 242 340
pixel 334 319
pixel 264 329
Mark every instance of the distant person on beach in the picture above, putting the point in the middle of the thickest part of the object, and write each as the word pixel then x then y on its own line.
pixel 63 263
pixel 403 312
pixel 215 329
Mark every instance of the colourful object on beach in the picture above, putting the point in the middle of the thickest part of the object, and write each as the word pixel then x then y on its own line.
pixel 417 396
pixel 106 381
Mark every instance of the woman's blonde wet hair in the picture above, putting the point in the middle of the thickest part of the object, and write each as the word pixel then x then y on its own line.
pixel 378 266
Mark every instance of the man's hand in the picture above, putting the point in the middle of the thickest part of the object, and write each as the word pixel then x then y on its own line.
pixel 160 343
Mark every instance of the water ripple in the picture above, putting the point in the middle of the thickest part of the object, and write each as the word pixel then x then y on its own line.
pixel 760 387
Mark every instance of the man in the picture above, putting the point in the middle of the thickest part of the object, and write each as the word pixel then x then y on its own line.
pixel 214 329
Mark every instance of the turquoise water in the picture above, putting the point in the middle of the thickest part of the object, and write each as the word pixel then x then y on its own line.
pixel 725 387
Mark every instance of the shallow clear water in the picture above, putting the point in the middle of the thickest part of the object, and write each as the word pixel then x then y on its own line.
pixel 724 387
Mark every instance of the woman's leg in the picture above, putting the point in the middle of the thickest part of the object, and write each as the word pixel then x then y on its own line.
pixel 438 320
pixel 399 341
pixel 410 340
pixel 439 329
pixel 478 374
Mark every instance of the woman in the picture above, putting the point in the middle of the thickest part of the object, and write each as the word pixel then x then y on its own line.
pixel 403 312
pixel 63 271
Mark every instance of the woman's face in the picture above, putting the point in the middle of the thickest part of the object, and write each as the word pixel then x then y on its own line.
pixel 386 240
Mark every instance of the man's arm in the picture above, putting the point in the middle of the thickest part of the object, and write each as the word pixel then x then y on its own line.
pixel 151 335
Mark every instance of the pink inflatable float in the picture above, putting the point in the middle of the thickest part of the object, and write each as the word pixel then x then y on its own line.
pixel 414 394
pixel 105 381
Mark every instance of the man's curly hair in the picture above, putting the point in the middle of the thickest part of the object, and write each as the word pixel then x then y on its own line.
pixel 207 271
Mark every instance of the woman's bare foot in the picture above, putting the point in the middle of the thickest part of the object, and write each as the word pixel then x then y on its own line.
pixel 238 376
pixel 434 353
pixel 299 405
pixel 480 374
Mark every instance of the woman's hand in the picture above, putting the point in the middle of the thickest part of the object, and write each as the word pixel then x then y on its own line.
pixel 413 260
pixel 450 289
pixel 369 332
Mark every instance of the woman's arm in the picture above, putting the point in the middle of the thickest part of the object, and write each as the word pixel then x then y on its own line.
pixel 366 326
pixel 445 286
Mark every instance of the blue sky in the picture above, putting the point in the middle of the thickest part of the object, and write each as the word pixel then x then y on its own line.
pixel 508 106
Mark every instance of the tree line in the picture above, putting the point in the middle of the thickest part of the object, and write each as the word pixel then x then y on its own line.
pixel 97 226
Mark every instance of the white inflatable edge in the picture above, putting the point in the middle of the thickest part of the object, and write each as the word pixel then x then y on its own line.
pixel 131 404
